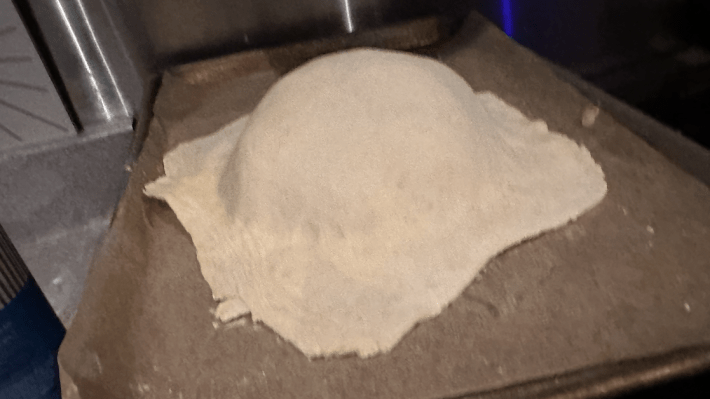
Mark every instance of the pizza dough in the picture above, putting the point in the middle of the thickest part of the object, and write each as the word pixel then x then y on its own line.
pixel 363 194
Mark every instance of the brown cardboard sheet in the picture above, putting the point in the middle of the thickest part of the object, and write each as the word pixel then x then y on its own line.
pixel 630 278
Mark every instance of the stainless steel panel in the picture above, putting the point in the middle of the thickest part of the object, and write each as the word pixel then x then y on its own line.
pixel 56 202
pixel 177 32
pixel 89 57
pixel 31 111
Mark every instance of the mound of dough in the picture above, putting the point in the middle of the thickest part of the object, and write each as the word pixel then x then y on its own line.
pixel 364 193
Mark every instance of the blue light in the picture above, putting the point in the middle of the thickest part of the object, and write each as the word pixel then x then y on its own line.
pixel 507 18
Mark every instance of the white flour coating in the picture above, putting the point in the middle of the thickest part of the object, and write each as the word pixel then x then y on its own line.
pixel 363 194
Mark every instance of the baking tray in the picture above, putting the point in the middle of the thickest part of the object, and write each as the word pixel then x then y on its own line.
pixel 618 299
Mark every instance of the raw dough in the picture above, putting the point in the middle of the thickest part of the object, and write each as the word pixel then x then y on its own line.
pixel 364 193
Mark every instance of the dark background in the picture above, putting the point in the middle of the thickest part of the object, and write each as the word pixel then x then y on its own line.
pixel 653 54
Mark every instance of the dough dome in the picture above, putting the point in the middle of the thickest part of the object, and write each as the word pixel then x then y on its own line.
pixel 365 192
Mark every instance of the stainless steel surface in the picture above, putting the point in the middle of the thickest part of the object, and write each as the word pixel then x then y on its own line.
pixel 58 191
pixel 60 260
pixel 171 33
pixel 56 202
pixel 30 108
pixel 108 52
pixel 92 61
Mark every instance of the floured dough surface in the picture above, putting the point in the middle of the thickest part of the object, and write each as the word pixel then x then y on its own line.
pixel 363 194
